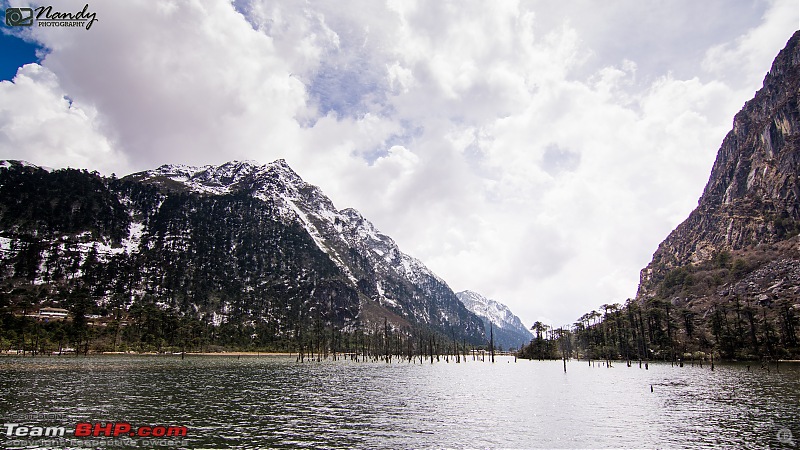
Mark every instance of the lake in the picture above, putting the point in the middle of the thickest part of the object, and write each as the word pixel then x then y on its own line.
pixel 275 402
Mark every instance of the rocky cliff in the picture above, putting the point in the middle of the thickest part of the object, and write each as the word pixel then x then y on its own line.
pixel 727 279
pixel 752 197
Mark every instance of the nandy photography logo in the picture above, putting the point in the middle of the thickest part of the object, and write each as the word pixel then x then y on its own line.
pixel 19 17
pixel 46 16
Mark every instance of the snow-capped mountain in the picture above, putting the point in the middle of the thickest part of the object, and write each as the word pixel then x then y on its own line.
pixel 304 203
pixel 371 260
pixel 509 332
pixel 240 242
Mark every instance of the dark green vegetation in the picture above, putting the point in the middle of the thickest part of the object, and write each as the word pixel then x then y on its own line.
pixel 740 305
pixel 144 267
pixel 700 310
pixel 694 323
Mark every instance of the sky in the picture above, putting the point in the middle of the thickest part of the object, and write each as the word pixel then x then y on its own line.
pixel 536 152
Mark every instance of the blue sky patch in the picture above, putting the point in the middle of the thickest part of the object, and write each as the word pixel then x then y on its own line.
pixel 349 91
pixel 15 54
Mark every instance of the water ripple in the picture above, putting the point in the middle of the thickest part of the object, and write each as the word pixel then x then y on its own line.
pixel 258 402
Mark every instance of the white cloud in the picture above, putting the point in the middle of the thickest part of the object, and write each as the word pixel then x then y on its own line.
pixel 38 122
pixel 180 81
pixel 536 153
pixel 745 60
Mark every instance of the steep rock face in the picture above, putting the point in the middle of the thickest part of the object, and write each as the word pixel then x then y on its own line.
pixel 753 194
pixel 509 332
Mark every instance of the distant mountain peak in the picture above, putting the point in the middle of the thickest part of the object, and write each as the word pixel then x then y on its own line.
pixel 508 328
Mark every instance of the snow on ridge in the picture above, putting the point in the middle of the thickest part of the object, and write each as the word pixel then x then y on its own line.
pixel 385 247
pixel 494 311
pixel 305 203
pixel 5 244
pixel 316 235
pixel 175 170
pixel 323 221
pixel 268 179
pixel 208 179
pixel 7 163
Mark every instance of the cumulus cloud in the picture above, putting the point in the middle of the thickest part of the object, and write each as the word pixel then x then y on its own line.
pixel 179 81
pixel 743 60
pixel 40 123
pixel 536 153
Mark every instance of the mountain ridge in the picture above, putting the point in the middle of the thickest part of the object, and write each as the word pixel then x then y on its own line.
pixel 239 242
pixel 334 231
pixel 725 283
pixel 753 193
pixel 509 332
pixel 727 279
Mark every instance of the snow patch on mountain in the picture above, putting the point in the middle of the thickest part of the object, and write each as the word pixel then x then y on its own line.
pixel 304 203
pixel 335 232
pixel 499 315
pixel 7 163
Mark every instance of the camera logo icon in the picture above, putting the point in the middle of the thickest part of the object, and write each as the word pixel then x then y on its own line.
pixel 19 17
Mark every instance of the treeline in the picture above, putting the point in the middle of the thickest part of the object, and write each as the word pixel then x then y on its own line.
pixel 548 343
pixel 658 330
pixel 382 344
pixel 739 305
pixel 146 327
pixel 737 329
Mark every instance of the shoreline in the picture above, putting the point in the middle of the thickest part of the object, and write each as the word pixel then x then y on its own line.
pixel 236 354
pixel 72 354
pixel 274 353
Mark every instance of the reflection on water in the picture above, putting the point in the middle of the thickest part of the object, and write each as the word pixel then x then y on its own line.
pixel 268 401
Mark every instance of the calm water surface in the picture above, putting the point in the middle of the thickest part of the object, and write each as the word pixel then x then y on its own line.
pixel 265 402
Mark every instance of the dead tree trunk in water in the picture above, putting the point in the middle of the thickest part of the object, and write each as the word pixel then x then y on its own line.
pixel 298 335
pixel 563 348
pixel 455 347
pixel 491 340
pixel 386 340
